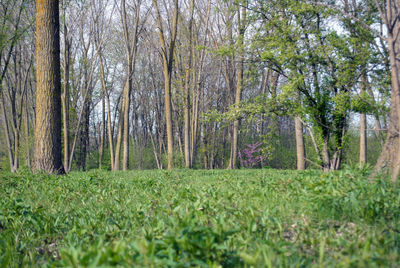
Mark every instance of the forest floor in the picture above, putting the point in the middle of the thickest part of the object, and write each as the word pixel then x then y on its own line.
pixel 180 218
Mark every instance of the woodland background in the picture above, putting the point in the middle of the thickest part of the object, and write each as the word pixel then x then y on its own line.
pixel 246 78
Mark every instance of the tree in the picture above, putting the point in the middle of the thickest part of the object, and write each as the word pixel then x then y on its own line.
pixel 47 153
pixel 300 150
pixel 363 124
pixel 188 161
pixel 65 94
pixel 167 53
pixel 321 67
pixel 130 50
pixel 241 14
pixel 389 159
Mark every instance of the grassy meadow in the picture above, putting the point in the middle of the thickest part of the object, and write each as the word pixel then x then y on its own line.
pixel 199 218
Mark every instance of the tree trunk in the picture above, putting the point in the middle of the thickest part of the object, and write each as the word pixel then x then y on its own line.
pixel 125 132
pixel 389 160
pixel 300 152
pixel 196 93
pixel 103 129
pixel 168 118
pixel 119 141
pixel 84 135
pixel 363 124
pixel 325 155
pixel 167 56
pixel 188 161
pixel 65 96
pixel 131 57
pixel 241 29
pixel 47 156
pixel 363 139
pixel 16 149
pixel 27 143
pixel 7 131
pixel 106 101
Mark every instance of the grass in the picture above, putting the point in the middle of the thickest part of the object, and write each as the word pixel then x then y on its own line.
pixel 181 218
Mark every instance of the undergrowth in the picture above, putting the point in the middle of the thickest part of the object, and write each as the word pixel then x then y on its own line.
pixel 185 218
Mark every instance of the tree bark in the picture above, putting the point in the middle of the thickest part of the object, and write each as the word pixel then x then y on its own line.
pixel 363 124
pixel 363 139
pixel 27 143
pixel 167 57
pixel 47 154
pixel 389 160
pixel 239 85
pixel 106 108
pixel 119 140
pixel 103 129
pixel 300 152
pixel 188 161
pixel 65 95
pixel 325 155
pixel 131 57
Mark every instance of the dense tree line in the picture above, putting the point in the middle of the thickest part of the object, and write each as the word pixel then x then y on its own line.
pixel 200 84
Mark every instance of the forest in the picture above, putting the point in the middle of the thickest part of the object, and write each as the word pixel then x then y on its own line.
pixel 204 84
pixel 199 133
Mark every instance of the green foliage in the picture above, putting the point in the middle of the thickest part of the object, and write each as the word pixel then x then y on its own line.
pixel 363 104
pixel 322 66
pixel 199 218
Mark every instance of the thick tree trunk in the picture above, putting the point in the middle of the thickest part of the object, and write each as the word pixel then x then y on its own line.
pixel 300 152
pixel 389 160
pixel 47 156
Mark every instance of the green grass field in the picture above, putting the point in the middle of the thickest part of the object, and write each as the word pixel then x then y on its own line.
pixel 260 218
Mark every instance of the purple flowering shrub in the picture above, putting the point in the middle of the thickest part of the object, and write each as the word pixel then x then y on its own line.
pixel 252 155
